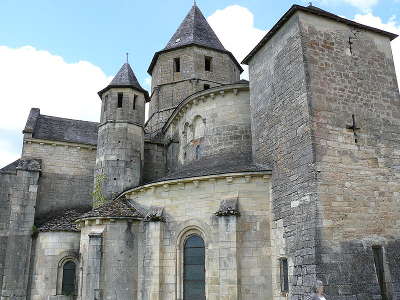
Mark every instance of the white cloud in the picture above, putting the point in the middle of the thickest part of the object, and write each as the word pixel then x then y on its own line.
pixel 234 25
pixel 392 26
pixel 35 78
pixel 363 5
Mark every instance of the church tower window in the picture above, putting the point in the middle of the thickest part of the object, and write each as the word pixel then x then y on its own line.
pixel 207 63
pixel 68 278
pixel 284 275
pixel 120 96
pixel 194 269
pixel 206 86
pixel 134 102
pixel 177 64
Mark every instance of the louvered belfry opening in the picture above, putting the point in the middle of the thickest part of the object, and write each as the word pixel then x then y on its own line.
pixel 194 269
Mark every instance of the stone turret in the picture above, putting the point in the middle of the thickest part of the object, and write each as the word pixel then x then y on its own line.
pixel 194 59
pixel 119 160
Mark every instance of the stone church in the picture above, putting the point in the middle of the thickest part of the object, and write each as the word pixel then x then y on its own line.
pixel 232 189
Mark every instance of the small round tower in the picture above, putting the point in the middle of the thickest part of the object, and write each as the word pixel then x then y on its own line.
pixel 120 144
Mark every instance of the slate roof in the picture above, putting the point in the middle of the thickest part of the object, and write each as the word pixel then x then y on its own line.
pixel 316 11
pixel 61 129
pixel 194 30
pixel 215 165
pixel 125 78
pixel 63 220
pixel 11 168
pixel 118 208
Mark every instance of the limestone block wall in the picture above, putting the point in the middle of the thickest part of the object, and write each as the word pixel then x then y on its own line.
pixel 234 245
pixel 67 173
pixel 16 252
pixel 210 124
pixel 132 107
pixel 169 88
pixel 110 266
pixel 7 182
pixel 120 156
pixel 155 161
pixel 51 250
pixel 281 136
pixel 358 175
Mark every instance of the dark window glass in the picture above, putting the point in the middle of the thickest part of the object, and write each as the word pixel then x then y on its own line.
pixel 177 64
pixel 68 279
pixel 380 272
pixel 194 269
pixel 120 96
pixel 206 86
pixel 197 151
pixel 207 63
pixel 134 102
pixel 284 275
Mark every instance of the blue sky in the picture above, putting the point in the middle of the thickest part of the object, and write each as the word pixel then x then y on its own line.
pixel 59 53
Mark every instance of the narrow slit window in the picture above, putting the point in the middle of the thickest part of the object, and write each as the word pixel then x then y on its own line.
pixel 68 278
pixel 284 275
pixel 207 63
pixel 177 64
pixel 120 96
pixel 380 272
pixel 105 103
pixel 134 102
pixel 206 86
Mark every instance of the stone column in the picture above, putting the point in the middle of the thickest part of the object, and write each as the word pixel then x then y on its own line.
pixel 155 237
pixel 22 213
pixel 228 260
pixel 93 291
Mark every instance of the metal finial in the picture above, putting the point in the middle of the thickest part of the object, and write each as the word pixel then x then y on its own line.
pixel 194 2
pixel 310 4
pixel 127 57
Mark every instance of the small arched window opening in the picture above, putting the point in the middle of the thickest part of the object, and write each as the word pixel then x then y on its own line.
pixel 194 268
pixel 68 278
pixel 198 127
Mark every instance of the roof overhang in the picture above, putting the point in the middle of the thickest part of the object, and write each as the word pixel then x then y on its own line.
pixel 157 54
pixel 315 11
pixel 146 93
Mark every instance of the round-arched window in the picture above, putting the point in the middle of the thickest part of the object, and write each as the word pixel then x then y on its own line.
pixel 68 278
pixel 194 269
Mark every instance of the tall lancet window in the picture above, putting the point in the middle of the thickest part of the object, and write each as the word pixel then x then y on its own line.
pixel 68 278
pixel 194 269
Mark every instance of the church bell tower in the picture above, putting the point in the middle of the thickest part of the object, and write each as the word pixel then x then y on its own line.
pixel 120 146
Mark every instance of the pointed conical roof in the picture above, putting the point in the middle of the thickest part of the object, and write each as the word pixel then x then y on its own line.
pixel 125 78
pixel 195 30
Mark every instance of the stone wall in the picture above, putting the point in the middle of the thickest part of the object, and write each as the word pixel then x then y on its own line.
pixel 51 251
pixel 112 270
pixel 211 124
pixel 237 247
pixel 281 129
pixel 7 182
pixel 351 72
pixel 67 174
pixel 155 161
pixel 169 88
pixel 16 253
pixel 334 194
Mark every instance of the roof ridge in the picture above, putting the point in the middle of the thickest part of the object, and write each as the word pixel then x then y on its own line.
pixel 68 119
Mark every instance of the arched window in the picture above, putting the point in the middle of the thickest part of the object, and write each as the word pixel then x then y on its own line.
pixel 198 127
pixel 194 269
pixel 68 278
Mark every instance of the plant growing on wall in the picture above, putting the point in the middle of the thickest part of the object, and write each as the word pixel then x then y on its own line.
pixel 98 197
